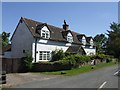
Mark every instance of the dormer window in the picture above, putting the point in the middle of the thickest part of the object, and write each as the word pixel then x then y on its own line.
pixel 45 33
pixel 70 38
pixel 91 42
pixel 83 40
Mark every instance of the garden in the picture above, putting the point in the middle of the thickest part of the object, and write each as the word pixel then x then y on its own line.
pixel 70 64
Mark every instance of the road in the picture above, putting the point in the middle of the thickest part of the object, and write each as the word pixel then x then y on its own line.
pixel 102 78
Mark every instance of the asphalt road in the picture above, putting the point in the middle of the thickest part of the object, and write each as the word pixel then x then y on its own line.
pixel 102 78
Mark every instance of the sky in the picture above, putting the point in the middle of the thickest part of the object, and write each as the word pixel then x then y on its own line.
pixel 89 18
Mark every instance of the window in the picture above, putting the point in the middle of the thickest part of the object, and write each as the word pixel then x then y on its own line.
pixel 69 37
pixel 23 51
pixel 83 40
pixel 44 55
pixel 45 34
pixel 91 42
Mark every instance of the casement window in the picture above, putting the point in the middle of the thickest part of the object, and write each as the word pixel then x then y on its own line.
pixel 44 55
pixel 45 34
pixel 69 38
pixel 91 42
pixel 84 41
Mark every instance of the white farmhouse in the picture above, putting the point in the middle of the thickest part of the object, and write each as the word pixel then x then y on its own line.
pixel 41 39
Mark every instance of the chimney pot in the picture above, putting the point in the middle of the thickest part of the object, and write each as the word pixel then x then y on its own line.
pixel 65 26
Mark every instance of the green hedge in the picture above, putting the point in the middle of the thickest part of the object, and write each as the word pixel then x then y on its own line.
pixel 57 55
pixel 45 63
pixel 102 57
pixel 51 66
pixel 69 62
pixel 76 60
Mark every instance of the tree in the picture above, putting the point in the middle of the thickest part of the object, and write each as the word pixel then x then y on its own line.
pixel 100 43
pixel 113 44
pixel 5 38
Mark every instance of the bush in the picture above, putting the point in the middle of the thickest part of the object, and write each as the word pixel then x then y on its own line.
pixel 63 64
pixel 102 57
pixel 52 66
pixel 28 61
pixel 108 58
pixel 76 60
pixel 45 63
pixel 68 53
pixel 57 55
pixel 43 67
pixel 84 58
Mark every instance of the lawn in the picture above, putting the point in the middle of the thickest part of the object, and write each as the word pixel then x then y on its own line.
pixel 83 69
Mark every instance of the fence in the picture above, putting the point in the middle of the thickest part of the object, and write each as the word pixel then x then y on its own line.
pixel 13 65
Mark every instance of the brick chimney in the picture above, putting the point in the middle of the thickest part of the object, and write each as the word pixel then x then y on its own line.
pixel 65 26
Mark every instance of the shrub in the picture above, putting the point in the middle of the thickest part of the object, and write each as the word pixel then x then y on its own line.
pixel 68 53
pixel 45 63
pixel 108 58
pixel 43 66
pixel 102 57
pixel 57 55
pixel 63 64
pixel 28 61
pixel 84 58
pixel 71 60
pixel 76 60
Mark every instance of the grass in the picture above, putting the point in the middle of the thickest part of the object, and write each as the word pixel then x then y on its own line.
pixel 83 69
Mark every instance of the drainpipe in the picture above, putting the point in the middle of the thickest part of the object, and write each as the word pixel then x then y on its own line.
pixel 35 48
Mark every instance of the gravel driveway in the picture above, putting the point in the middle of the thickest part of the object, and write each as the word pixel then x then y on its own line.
pixel 21 78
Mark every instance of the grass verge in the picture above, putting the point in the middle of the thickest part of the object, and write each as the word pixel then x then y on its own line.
pixel 80 70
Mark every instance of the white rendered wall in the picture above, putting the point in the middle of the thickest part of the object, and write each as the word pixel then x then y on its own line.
pixel 45 45
pixel 90 51
pixel 22 40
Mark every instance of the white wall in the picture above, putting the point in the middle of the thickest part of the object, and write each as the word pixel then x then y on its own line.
pixel 45 45
pixel 90 51
pixel 22 40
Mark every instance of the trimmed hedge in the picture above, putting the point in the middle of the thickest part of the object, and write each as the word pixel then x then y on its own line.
pixel 102 57
pixel 42 66
pixel 77 60
pixel 51 66
pixel 69 62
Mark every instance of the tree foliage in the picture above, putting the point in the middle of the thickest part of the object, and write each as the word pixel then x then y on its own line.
pixel 100 42
pixel 4 38
pixel 113 44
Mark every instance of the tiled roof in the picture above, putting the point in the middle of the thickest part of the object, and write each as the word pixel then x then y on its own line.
pixel 56 33
pixel 88 38
pixel 76 49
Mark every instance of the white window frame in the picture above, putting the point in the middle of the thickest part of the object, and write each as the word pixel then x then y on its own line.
pixel 69 38
pixel 44 56
pixel 45 34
